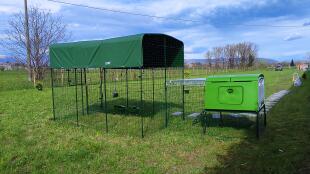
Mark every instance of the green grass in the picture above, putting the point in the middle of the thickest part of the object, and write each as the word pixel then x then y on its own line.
pixel 14 80
pixel 284 147
pixel 32 143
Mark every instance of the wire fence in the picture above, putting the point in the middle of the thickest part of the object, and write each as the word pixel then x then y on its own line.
pixel 125 101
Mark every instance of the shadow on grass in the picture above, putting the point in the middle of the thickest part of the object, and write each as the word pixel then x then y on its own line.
pixel 240 122
pixel 284 146
pixel 119 107
pixel 122 119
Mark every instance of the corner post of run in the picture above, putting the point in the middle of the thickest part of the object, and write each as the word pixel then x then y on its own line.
pixel 153 97
pixel 183 96
pixel 86 91
pixel 101 93
pixel 127 93
pixel 68 76
pixel 141 103
pixel 166 100
pixel 76 98
pixel 53 100
pixel 82 92
pixel 105 100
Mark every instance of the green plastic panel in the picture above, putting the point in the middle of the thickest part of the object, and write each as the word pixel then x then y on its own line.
pixel 136 51
pixel 232 95
pixel 240 92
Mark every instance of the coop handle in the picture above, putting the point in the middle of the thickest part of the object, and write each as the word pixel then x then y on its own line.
pixel 230 90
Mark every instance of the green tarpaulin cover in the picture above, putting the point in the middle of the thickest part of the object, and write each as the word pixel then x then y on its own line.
pixel 142 50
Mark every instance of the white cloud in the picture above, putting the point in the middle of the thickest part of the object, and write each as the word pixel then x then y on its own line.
pixel 195 8
pixel 74 25
pixel 198 39
pixel 165 8
pixel 269 39
pixel 7 9
pixel 2 56
pixel 306 24
pixel 14 6
pixel 293 36
pixel 3 36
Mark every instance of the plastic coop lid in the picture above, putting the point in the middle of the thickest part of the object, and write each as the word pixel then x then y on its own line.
pixel 235 78
pixel 187 82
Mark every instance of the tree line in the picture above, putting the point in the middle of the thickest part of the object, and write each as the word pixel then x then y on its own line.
pixel 241 55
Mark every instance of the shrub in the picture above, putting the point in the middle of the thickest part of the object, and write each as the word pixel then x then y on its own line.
pixel 304 76
pixel 39 86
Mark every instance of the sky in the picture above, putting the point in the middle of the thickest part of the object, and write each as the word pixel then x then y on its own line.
pixel 209 23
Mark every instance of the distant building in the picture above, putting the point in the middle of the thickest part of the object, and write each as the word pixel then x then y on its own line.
pixel 303 66
pixel 6 66
pixel 11 66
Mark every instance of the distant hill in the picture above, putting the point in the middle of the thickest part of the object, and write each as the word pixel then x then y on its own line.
pixel 189 61
pixel 204 61
pixel 268 61
pixel 6 59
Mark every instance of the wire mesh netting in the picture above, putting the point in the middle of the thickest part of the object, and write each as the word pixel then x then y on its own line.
pixel 193 95
pixel 125 101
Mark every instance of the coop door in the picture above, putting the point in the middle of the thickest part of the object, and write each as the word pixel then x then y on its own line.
pixel 231 95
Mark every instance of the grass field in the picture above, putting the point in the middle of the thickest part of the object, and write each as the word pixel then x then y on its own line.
pixel 32 143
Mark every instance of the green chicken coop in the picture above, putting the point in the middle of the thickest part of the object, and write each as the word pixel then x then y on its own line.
pixel 119 84
pixel 235 93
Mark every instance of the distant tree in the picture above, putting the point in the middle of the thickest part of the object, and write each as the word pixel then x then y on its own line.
pixel 252 54
pixel 217 52
pixel 208 56
pixel 241 55
pixel 222 56
pixel 44 30
pixel 242 51
pixel 292 63
pixel 230 55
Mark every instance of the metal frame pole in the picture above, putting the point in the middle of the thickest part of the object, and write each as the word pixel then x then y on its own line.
pixel 204 121
pixel 52 83
pixel 81 78
pixel 127 94
pixel 101 94
pixel 68 78
pixel 105 100
pixel 153 98
pixel 243 111
pixel 141 103
pixel 76 98
pixel 86 90
pixel 265 116
pixel 183 96
pixel 166 102
pixel 221 119
pixel 257 124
